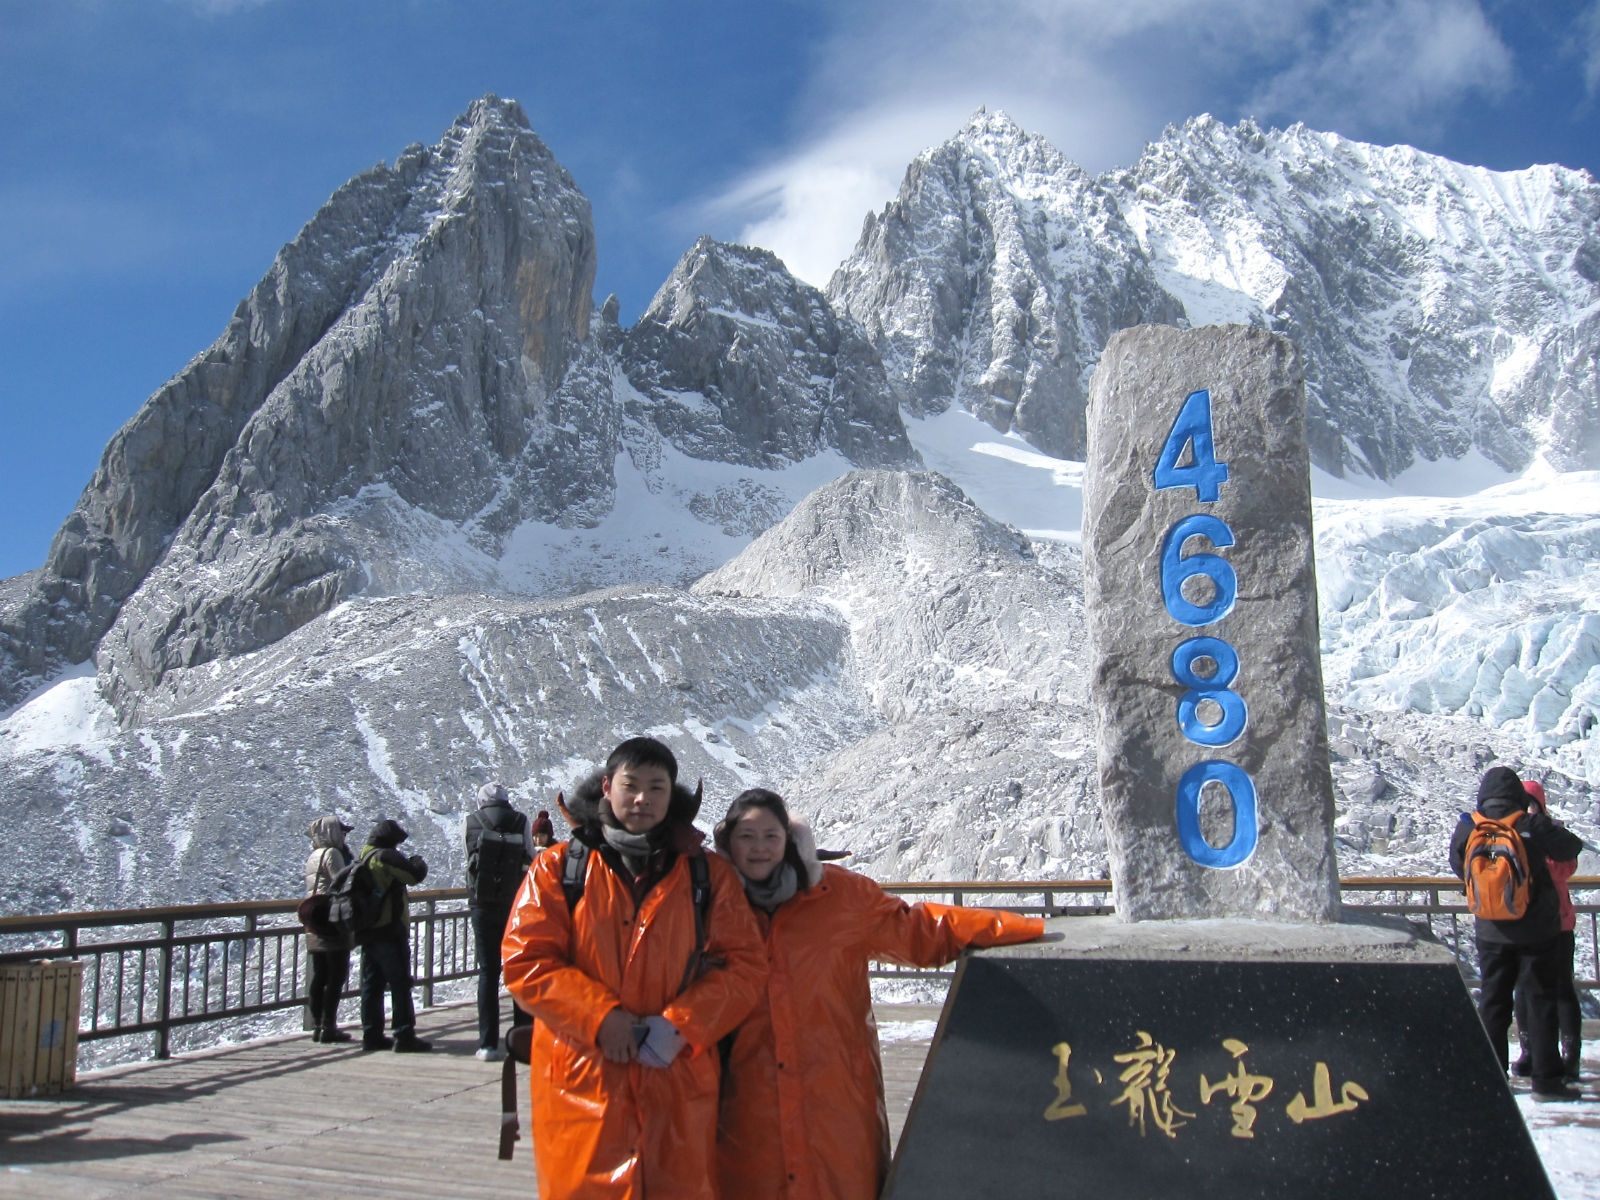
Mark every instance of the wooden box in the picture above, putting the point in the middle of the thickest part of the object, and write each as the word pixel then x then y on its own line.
pixel 39 1003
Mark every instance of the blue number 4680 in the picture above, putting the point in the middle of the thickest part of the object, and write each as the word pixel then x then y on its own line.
pixel 1192 428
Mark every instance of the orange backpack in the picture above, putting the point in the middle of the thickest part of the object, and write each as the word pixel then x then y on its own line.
pixel 1496 874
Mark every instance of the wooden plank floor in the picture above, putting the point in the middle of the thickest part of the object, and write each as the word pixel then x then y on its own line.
pixel 286 1118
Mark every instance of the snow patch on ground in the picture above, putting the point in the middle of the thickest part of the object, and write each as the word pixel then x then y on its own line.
pixel 1003 474
pixel 65 714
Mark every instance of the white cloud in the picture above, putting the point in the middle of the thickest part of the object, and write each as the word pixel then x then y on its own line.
pixel 1390 69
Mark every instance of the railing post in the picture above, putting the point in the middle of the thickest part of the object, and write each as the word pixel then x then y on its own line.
pixel 427 954
pixel 164 995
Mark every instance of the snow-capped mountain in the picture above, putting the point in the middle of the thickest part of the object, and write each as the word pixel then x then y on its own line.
pixel 346 559
pixel 1440 308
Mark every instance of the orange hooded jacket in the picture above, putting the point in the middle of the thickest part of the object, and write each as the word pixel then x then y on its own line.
pixel 802 1111
pixel 624 1131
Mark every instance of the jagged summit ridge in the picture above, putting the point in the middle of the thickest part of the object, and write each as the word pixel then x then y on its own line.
pixel 336 373
pixel 419 396
pixel 1440 308
pixel 971 283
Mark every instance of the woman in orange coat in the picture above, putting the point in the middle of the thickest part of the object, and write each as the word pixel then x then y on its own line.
pixel 802 1113
pixel 623 1063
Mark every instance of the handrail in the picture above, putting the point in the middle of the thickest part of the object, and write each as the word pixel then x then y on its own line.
pixel 180 967
pixel 204 912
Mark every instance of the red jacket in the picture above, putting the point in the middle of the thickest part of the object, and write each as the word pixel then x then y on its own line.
pixel 623 1131
pixel 802 1114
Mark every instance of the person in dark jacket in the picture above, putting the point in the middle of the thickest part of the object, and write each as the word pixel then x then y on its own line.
pixel 494 873
pixel 386 946
pixel 1533 939
pixel 1569 1016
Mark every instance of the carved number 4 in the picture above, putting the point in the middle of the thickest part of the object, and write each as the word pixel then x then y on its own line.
pixel 1192 430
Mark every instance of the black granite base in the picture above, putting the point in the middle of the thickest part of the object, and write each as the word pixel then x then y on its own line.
pixel 1117 1078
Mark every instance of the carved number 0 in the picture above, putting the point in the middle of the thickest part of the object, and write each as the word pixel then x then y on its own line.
pixel 1191 430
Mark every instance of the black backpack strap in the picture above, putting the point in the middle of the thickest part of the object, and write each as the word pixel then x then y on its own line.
pixel 700 885
pixel 574 870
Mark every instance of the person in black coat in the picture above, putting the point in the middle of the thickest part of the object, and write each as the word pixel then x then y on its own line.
pixel 1534 938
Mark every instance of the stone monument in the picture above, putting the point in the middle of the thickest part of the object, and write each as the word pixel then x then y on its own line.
pixel 1232 1031
pixel 1201 597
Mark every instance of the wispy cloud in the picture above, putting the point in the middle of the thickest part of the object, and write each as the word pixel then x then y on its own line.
pixel 1098 80
pixel 1589 33
pixel 53 237
pixel 1391 68
pixel 219 8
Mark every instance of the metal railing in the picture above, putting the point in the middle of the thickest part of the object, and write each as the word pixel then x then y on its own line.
pixel 153 971
pixel 157 970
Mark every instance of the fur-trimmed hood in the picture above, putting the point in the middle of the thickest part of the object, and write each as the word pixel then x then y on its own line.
pixel 583 807
pixel 806 844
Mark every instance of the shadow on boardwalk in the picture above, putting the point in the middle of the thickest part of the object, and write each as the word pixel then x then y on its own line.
pixel 287 1118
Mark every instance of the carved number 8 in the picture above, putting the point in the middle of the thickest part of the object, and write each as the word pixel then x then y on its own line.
pixel 1234 712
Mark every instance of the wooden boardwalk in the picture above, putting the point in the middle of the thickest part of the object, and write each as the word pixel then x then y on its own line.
pixel 286 1118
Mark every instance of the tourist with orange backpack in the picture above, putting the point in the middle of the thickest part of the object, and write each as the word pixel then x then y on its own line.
pixel 1502 852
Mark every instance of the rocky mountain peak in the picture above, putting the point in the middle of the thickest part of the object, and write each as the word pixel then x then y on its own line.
pixel 971 284
pixel 929 584
pixel 408 339
pixel 743 363
pixel 1440 308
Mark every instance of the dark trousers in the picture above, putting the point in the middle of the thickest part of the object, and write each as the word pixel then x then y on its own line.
pixel 1569 1017
pixel 330 970
pixel 488 929
pixel 386 965
pixel 1501 963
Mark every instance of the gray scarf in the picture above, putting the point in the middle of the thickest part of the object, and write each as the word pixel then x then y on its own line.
pixel 635 848
pixel 780 886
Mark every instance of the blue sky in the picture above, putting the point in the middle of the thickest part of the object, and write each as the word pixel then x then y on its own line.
pixel 158 152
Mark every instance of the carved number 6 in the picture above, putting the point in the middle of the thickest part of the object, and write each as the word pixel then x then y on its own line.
pixel 1176 570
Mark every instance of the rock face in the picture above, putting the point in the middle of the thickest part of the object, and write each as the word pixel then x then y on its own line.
pixel 417 397
pixel 848 629
pixel 740 362
pixel 1201 599
pixel 993 280
pixel 412 336
pixel 1439 308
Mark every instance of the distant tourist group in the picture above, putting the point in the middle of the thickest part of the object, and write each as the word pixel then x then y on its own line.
pixel 696 1024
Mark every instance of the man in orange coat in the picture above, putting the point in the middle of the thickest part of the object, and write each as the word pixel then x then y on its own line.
pixel 802 1114
pixel 628 1004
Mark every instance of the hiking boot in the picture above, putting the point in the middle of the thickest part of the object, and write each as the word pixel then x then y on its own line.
pixel 376 1041
pixel 334 1034
pixel 316 1035
pixel 410 1043
pixel 489 1054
